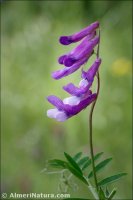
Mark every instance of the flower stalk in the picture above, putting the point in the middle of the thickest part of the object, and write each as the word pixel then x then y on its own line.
pixel 91 130
pixel 90 124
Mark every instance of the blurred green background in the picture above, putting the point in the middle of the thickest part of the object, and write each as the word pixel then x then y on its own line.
pixel 29 52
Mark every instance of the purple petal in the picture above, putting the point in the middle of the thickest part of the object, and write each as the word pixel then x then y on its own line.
pixel 73 90
pixel 66 71
pixel 58 103
pixel 61 59
pixel 80 53
pixel 84 43
pixel 73 110
pixel 68 109
pixel 90 74
pixel 66 40
pixel 68 62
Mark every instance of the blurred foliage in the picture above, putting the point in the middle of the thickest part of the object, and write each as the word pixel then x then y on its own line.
pixel 29 52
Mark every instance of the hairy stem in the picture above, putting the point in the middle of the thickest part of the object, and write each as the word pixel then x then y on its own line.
pixel 90 132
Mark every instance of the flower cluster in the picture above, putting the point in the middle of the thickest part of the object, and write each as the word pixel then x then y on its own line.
pixel 81 96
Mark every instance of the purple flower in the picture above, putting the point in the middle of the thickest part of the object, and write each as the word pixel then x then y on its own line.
pixel 77 49
pixel 66 40
pixel 68 107
pixel 85 49
pixel 86 82
pixel 69 70
pixel 82 96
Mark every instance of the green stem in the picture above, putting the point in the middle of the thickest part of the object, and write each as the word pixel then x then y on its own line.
pixel 91 138
pixel 90 123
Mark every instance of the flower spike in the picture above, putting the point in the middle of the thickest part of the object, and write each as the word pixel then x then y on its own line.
pixel 81 96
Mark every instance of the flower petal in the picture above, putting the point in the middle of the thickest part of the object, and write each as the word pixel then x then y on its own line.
pixel 51 113
pixel 89 75
pixel 84 43
pixel 80 53
pixel 73 90
pixel 67 71
pixel 58 103
pixel 66 40
pixel 83 83
pixel 61 116
pixel 61 59
pixel 74 100
pixel 73 110
pixel 56 114
pixel 69 110
pixel 77 49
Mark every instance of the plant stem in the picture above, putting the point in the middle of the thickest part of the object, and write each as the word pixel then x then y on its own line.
pixel 90 123
pixel 91 138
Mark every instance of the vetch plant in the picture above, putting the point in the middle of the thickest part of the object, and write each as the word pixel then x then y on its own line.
pixel 84 168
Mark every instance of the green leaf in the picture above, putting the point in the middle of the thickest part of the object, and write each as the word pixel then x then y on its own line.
pixel 72 162
pixel 99 166
pixel 75 172
pixel 65 165
pixel 111 179
pixel 107 191
pixel 77 156
pixel 101 194
pixel 83 160
pixel 86 164
pixel 112 194
pixel 98 155
pixel 57 163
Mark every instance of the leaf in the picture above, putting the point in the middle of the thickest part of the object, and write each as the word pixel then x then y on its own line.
pixel 107 191
pixel 77 156
pixel 57 163
pixel 101 165
pixel 98 155
pixel 72 162
pixel 112 194
pixel 65 165
pixel 75 172
pixel 111 179
pixel 86 164
pixel 83 160
pixel 101 194
pixel 73 167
